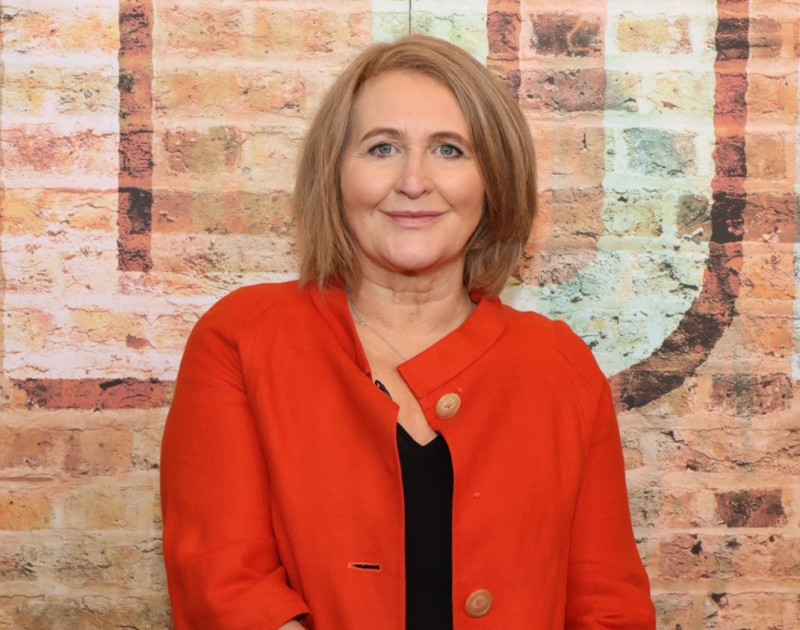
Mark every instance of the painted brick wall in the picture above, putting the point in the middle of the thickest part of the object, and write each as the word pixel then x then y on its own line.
pixel 147 153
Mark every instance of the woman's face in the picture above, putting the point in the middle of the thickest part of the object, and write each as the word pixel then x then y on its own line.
pixel 411 187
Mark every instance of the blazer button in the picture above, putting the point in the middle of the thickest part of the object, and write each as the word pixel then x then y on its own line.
pixel 448 406
pixel 479 603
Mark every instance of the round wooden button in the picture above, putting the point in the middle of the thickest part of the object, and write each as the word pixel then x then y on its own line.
pixel 479 603
pixel 448 405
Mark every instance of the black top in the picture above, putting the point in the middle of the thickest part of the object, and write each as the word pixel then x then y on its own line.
pixel 428 494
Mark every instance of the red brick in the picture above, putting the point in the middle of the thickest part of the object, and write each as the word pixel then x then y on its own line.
pixel 563 91
pixel 746 395
pixel 771 217
pixel 504 27
pixel 566 33
pixel 751 508
pixel 94 393
pixel 683 557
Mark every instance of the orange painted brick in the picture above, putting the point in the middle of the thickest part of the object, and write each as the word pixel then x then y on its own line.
pixel 579 152
pixel 721 447
pixel 766 37
pixel 99 451
pixel 217 150
pixel 767 156
pixel 767 272
pixel 41 149
pixel 86 558
pixel 755 608
pixel 25 511
pixel 675 610
pixel 139 610
pixel 311 31
pixel 104 506
pixel 67 30
pixel 33 212
pixel 212 212
pixel 213 92
pixel 202 30
pixel 772 93
pixel 31 449
pixel 43 91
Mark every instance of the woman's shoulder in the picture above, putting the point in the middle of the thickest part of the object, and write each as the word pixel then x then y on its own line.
pixel 554 335
pixel 237 309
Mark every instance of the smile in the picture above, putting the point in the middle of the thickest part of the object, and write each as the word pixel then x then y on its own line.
pixel 420 218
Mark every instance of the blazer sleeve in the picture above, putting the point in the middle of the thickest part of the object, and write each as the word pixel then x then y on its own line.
pixel 223 568
pixel 608 587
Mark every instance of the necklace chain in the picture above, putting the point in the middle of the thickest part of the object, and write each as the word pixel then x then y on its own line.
pixel 362 322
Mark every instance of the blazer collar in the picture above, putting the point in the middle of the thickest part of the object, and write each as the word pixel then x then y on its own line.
pixel 433 367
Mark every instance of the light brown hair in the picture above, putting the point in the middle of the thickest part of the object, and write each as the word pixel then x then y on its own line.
pixel 503 151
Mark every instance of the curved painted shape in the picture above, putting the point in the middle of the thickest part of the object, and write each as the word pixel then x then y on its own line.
pixel 626 290
pixel 713 310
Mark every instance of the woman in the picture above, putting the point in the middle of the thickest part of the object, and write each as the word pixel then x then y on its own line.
pixel 383 444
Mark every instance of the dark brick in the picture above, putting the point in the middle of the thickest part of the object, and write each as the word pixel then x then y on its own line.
pixel 730 158
pixel 93 394
pixel 578 90
pixel 570 34
pixel 504 27
pixel 751 508
pixel 732 41
pixel 750 395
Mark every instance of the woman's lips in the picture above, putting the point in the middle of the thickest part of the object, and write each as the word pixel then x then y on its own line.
pixel 419 218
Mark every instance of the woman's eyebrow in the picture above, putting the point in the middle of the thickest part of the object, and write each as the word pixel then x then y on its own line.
pixel 453 136
pixel 391 132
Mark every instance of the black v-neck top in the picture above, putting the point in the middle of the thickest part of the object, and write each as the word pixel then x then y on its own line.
pixel 428 495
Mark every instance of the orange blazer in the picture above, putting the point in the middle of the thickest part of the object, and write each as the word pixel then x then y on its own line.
pixel 281 485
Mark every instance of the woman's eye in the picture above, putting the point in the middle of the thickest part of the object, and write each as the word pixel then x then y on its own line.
pixel 450 151
pixel 382 150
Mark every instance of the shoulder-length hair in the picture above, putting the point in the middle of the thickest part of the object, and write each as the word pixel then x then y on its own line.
pixel 503 151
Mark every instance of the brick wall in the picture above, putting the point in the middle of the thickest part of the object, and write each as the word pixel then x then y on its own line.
pixel 148 153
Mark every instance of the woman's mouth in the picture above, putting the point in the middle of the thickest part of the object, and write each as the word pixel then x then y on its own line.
pixel 414 219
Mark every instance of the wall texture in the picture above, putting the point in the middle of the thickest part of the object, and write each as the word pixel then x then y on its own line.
pixel 147 152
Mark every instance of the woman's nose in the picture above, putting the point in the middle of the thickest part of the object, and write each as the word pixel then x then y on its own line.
pixel 414 179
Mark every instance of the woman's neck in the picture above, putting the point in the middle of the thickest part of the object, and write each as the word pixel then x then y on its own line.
pixel 408 315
